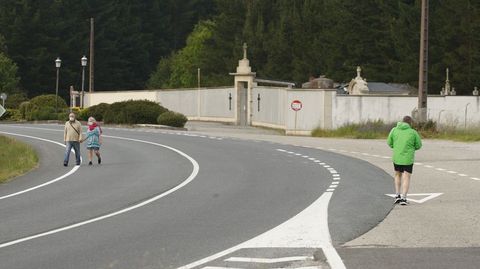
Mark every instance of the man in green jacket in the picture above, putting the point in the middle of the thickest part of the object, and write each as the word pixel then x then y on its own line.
pixel 404 141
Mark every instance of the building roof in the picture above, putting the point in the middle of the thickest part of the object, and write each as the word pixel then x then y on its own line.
pixel 385 88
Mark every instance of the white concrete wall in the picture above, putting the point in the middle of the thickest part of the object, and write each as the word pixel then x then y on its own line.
pixel 273 103
pixel 445 110
pixel 362 108
pixel 110 97
pixel 450 110
pixel 276 112
pixel 211 104
pixel 321 108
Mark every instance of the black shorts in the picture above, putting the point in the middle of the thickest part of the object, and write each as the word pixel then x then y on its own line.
pixel 403 168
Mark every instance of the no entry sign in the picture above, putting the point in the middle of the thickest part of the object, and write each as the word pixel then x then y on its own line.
pixel 296 105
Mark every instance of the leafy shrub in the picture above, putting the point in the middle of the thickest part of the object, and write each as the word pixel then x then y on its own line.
pixel 133 112
pixel 48 100
pixel 14 100
pixel 96 111
pixel 42 107
pixel 11 115
pixel 173 119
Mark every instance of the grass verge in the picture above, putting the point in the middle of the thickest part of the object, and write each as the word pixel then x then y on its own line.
pixel 380 130
pixel 16 158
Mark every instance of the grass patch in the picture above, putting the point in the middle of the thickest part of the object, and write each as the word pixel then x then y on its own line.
pixel 380 130
pixel 16 158
pixel 369 130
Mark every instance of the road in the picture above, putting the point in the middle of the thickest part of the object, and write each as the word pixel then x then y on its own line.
pixel 165 199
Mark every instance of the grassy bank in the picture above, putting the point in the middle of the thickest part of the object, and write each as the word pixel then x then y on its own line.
pixel 380 130
pixel 16 158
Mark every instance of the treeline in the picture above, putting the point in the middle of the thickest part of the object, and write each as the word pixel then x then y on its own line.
pixel 295 39
pixel 161 43
pixel 130 37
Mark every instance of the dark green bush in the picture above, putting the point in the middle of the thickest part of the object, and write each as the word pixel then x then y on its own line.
pixel 48 100
pixel 133 112
pixel 14 100
pixel 11 115
pixel 96 111
pixel 42 107
pixel 173 119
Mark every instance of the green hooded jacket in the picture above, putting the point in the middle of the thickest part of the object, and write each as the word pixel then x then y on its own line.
pixel 404 141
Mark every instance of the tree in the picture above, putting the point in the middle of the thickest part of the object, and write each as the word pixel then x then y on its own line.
pixel 8 75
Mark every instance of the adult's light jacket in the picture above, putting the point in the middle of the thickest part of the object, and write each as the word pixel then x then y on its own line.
pixel 404 141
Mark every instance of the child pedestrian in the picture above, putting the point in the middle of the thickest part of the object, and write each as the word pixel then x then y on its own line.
pixel 94 140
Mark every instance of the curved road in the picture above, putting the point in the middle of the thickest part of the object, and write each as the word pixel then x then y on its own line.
pixel 169 200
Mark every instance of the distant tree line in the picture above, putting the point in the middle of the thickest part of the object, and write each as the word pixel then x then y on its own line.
pixel 295 39
pixel 162 43
pixel 130 37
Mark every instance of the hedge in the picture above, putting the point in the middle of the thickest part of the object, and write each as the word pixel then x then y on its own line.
pixel 173 119
pixel 133 112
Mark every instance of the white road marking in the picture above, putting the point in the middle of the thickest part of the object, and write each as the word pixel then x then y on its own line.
pixel 429 196
pixel 330 190
pixel 440 169
pixel 463 175
pixel 475 178
pixel 333 186
pixel 451 172
pixel 265 260
pixel 335 183
pixel 74 169
pixel 428 166
pixel 189 179
pixel 312 159
pixel 308 229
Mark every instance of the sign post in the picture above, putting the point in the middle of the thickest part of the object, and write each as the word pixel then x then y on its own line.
pixel 3 96
pixel 2 110
pixel 296 106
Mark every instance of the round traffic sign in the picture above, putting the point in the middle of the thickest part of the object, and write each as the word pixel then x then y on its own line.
pixel 296 105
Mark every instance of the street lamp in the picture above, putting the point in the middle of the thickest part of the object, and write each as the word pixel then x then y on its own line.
pixel 58 63
pixel 84 64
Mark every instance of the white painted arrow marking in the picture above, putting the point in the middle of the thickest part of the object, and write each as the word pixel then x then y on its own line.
pixel 265 260
pixel 429 196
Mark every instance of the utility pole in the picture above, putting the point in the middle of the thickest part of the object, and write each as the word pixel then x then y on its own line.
pixel 423 65
pixel 92 36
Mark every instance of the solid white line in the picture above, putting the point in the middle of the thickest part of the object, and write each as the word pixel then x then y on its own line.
pixel 74 169
pixel 189 179
pixel 264 260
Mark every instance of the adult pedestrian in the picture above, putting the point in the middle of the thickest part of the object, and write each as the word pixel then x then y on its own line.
pixel 404 141
pixel 94 140
pixel 72 136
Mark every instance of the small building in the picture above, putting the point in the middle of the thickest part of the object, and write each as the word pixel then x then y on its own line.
pixel 360 86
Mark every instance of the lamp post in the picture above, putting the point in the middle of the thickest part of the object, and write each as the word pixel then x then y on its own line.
pixel 84 63
pixel 58 63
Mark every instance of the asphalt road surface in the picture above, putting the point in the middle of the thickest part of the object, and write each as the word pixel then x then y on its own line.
pixel 169 200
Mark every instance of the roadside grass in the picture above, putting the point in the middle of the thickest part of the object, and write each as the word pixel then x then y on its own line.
pixel 380 130
pixel 16 158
